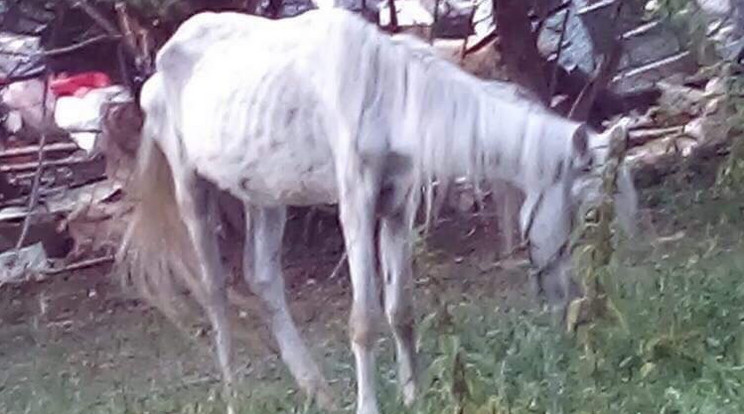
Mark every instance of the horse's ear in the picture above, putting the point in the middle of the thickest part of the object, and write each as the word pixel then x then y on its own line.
pixel 580 140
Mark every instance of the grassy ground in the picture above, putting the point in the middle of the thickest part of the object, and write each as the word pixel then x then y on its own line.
pixel 76 345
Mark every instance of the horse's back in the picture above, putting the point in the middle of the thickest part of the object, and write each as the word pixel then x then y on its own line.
pixel 258 127
pixel 202 31
pixel 245 101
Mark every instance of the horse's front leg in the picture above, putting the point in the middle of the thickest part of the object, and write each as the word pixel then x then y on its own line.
pixel 263 272
pixel 395 261
pixel 358 191
pixel 194 198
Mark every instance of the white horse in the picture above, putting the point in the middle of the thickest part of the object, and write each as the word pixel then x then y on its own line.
pixel 324 108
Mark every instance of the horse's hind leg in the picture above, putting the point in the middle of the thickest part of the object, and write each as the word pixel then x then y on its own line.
pixel 263 272
pixel 194 198
pixel 395 261
pixel 358 195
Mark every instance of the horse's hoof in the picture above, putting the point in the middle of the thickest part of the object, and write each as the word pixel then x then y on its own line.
pixel 367 409
pixel 325 399
pixel 409 393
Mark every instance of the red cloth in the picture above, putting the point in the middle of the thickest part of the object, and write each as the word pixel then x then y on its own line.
pixel 78 84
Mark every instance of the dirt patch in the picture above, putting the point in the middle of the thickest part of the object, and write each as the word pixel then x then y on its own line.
pixel 83 328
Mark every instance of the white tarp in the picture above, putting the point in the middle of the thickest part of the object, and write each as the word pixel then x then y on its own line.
pixel 76 114
pixel 19 266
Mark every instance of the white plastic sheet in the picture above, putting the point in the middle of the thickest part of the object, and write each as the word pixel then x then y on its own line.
pixel 19 266
pixel 76 114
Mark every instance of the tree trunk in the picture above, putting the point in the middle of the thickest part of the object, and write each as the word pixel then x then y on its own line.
pixel 518 43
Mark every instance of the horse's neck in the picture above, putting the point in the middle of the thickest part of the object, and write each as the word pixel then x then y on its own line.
pixel 499 136
pixel 480 135
pixel 456 125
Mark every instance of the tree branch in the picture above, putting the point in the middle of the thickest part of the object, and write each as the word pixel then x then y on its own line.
pixel 393 17
pixel 39 165
pixel 606 68
pixel 33 200
pixel 97 261
pixel 97 17
pixel 557 63
pixel 518 43
pixel 19 152
pixel 485 41
pixel 64 50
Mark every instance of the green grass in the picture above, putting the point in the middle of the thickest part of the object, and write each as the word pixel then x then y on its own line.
pixel 680 348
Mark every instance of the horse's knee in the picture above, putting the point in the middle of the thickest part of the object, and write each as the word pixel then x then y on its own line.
pixel 260 286
pixel 215 292
pixel 270 291
pixel 364 326
pixel 400 318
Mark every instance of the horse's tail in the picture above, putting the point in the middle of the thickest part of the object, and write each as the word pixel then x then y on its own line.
pixel 157 256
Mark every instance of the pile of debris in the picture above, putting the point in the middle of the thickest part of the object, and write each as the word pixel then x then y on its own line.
pixel 694 117
pixel 57 190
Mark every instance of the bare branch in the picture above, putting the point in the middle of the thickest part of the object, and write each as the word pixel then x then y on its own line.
pixel 63 50
pixel 584 102
pixel 596 6
pixel 77 46
pixel 465 36
pixel 436 20
pixel 558 52
pixel 97 17
pixel 83 264
pixel 485 41
pixel 39 165
pixel 339 266
pixel 640 137
pixel 518 43
pixel 34 199
pixel 393 17
pixel 19 152
pixel 640 30
pixel 669 60
pixel 13 78
pixel 606 68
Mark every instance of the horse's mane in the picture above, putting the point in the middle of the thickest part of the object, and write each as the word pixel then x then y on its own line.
pixel 468 126
pixel 586 189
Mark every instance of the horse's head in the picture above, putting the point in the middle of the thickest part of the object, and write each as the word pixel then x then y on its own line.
pixel 587 188
pixel 549 216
